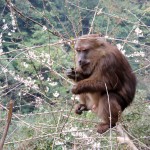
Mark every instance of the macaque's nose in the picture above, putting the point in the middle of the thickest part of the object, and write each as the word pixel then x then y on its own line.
pixel 82 62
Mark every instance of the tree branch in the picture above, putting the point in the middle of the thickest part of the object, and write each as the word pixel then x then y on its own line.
pixel 124 138
pixel 9 116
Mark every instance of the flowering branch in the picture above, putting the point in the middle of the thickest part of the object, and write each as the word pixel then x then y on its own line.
pixel 28 18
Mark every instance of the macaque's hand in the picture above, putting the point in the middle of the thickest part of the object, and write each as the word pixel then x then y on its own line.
pixel 80 108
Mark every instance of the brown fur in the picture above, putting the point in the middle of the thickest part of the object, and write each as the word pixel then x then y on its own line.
pixel 98 64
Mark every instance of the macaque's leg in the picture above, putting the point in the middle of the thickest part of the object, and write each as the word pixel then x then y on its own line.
pixel 82 106
pixel 112 115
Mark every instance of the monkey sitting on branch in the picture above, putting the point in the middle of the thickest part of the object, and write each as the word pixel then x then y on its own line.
pixel 103 79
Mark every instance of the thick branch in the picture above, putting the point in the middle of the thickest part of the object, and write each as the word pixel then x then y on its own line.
pixel 9 116
pixel 124 138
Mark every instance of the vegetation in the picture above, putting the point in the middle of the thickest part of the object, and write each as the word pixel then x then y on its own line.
pixel 36 47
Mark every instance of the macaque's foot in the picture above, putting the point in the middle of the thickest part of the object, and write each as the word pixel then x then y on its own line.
pixel 79 108
pixel 103 127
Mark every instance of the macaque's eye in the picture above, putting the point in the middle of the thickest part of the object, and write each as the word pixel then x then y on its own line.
pixel 84 51
pixel 87 50
pixel 78 51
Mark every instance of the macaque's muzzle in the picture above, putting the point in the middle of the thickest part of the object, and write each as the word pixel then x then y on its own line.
pixel 83 63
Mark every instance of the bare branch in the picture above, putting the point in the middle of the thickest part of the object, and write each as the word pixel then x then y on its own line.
pixel 9 116
pixel 124 138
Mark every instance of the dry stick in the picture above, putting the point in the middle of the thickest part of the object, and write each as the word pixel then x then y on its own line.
pixel 80 19
pixel 110 117
pixel 124 138
pixel 7 124
pixel 92 24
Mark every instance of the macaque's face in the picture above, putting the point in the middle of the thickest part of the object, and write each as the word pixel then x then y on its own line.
pixel 87 54
pixel 83 60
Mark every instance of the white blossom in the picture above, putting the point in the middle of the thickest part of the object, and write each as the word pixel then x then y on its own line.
pixel 13 31
pixel 141 35
pixel 24 94
pixel 69 43
pixel 29 78
pixel 12 73
pixel 119 46
pixel 135 41
pixel 9 33
pixel 53 83
pixel 38 101
pixel 137 54
pixel 25 65
pixel 13 23
pixel 47 89
pixel 48 79
pixel 13 20
pixel 5 26
pixel 4 70
pixel 1 35
pixel 0 42
pixel 99 11
pixel 1 51
pixel 138 31
pixel 56 94
pixel 76 97
pixel 96 146
pixel 74 132
pixel 19 94
pixel 123 51
pixel 136 60
pixel 106 36
pixel 3 20
pixel 44 28
pixel 47 55
pixel 31 54
pixel 43 60
pixel 41 77
pixel 58 142
pixel 35 86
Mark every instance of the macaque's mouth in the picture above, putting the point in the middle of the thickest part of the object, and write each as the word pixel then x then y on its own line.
pixel 85 65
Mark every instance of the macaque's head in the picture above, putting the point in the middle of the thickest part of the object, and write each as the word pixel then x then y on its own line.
pixel 89 49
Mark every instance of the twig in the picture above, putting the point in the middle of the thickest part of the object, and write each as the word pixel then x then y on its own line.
pixel 9 116
pixel 92 24
pixel 110 117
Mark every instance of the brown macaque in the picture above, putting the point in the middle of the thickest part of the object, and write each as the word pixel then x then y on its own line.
pixel 100 69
